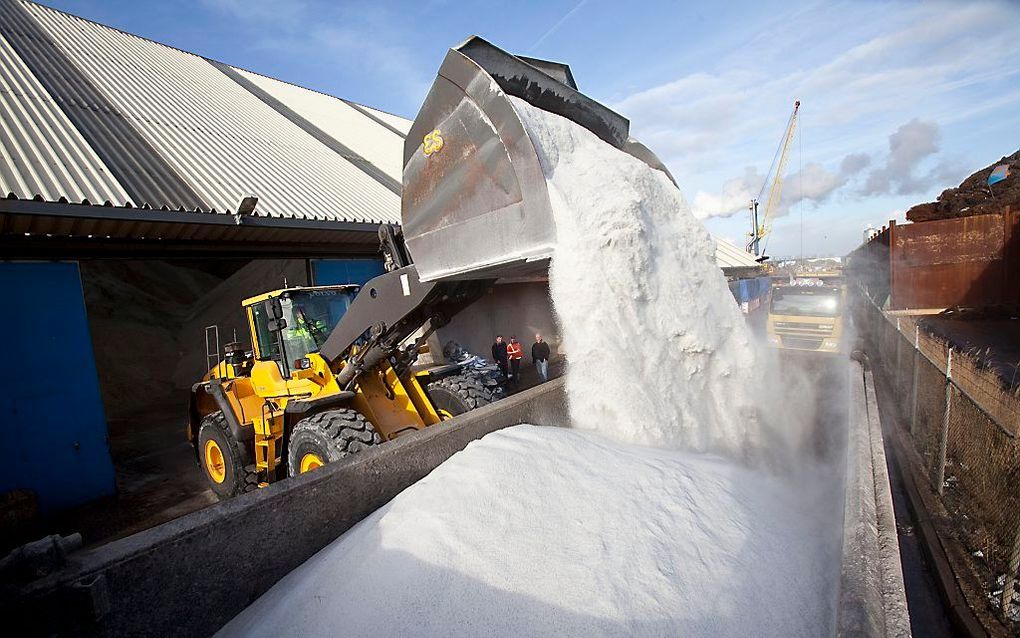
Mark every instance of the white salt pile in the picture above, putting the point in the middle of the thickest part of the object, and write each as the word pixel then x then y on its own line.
pixel 658 351
pixel 549 531
pixel 539 531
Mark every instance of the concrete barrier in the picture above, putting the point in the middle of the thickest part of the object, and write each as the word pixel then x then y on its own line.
pixel 872 598
pixel 189 576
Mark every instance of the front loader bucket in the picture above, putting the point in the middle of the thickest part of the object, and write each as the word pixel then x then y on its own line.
pixel 475 203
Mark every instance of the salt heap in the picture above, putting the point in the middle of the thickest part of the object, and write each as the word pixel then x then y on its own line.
pixel 658 350
pixel 542 531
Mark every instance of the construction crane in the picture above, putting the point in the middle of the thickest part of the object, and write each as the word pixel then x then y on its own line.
pixel 775 176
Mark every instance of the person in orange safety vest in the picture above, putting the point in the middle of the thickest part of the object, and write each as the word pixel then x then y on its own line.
pixel 514 354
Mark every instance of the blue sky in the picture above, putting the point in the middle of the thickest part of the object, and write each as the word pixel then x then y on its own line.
pixel 899 99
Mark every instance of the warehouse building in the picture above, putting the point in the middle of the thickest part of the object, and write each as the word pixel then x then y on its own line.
pixel 144 191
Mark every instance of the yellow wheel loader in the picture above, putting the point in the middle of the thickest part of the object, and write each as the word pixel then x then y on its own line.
pixel 314 388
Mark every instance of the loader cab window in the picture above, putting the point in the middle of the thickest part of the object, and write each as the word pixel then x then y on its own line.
pixel 311 316
pixel 269 347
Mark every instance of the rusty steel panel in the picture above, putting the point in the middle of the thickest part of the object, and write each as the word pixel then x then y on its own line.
pixel 968 261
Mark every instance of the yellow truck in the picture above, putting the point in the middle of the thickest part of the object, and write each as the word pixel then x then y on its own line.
pixel 808 314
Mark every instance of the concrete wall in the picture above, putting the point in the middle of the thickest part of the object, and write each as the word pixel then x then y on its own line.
pixel 872 599
pixel 520 309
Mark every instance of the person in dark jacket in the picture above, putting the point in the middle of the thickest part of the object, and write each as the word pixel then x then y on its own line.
pixel 499 354
pixel 540 355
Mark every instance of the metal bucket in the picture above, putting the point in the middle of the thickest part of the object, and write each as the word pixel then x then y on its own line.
pixel 475 203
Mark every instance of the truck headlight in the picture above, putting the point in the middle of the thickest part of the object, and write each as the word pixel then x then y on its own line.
pixel 830 344
pixel 773 340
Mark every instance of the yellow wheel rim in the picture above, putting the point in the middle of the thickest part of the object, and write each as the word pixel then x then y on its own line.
pixel 214 462
pixel 444 415
pixel 310 461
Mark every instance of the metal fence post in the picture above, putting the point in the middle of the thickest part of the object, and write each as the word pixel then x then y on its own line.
pixel 940 473
pixel 913 387
pixel 899 357
pixel 1014 565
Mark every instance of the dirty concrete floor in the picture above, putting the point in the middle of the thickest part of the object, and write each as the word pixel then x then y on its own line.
pixel 157 478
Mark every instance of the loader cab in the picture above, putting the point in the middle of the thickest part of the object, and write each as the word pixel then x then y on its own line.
pixel 289 324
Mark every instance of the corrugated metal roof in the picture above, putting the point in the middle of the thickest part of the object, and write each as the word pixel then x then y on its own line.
pixel 369 138
pixel 401 124
pixel 41 152
pixel 200 126
pixel 729 256
pixel 146 178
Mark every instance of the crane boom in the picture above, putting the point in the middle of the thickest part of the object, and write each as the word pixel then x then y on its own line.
pixel 776 189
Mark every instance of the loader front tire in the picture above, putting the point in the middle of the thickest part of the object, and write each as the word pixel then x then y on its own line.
pixel 223 461
pixel 327 437
pixel 458 394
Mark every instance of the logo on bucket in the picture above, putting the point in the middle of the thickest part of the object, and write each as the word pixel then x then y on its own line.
pixel 433 143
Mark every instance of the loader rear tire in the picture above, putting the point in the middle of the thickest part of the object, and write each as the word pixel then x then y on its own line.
pixel 458 394
pixel 223 461
pixel 327 437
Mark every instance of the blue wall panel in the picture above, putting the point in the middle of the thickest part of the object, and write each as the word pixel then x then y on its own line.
pixel 51 412
pixel 330 272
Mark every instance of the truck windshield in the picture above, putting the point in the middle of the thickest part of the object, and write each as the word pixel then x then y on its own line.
pixel 806 302
pixel 311 315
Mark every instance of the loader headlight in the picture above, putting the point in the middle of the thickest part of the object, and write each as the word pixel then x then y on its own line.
pixel 302 364
pixel 774 340
pixel 830 344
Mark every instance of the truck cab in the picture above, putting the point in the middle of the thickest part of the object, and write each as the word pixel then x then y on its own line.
pixel 807 314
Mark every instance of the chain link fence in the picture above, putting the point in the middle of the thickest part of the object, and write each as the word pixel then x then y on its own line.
pixel 970 459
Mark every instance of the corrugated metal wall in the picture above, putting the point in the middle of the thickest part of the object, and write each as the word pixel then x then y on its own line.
pixel 964 261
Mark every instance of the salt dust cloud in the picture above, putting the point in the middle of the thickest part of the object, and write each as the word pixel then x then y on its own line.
pixel 659 353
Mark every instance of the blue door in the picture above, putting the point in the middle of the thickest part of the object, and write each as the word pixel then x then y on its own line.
pixel 331 272
pixel 51 412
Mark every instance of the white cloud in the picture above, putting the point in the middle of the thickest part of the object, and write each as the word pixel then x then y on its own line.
pixel 813 183
pixel 909 147
pixel 735 197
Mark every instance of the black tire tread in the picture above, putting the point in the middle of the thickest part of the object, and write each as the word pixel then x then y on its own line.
pixel 467 387
pixel 246 479
pixel 346 431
